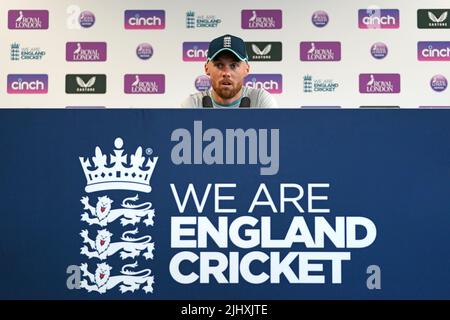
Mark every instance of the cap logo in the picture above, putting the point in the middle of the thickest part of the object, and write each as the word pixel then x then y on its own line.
pixel 227 42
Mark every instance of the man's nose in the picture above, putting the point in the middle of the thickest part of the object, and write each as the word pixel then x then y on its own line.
pixel 226 71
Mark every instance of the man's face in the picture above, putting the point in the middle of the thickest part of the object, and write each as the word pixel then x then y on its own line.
pixel 227 74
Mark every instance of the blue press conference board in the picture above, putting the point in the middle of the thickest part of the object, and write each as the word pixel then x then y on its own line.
pixel 390 166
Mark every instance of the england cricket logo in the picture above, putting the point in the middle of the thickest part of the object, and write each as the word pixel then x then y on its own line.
pixel 128 174
pixel 102 214
pixel 102 247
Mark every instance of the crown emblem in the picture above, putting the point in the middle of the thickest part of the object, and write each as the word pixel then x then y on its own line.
pixel 118 171
pixel 190 14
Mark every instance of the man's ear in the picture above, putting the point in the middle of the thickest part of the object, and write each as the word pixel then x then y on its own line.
pixel 207 68
pixel 247 68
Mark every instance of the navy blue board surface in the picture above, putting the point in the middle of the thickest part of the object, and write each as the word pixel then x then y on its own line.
pixel 390 166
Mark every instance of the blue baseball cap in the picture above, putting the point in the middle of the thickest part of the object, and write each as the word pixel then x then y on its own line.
pixel 230 43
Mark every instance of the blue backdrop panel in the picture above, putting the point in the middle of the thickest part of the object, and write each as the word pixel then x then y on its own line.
pixel 390 166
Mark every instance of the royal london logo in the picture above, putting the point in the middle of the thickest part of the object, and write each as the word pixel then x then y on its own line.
pixel 28 19
pixel 119 172
pixel 379 83
pixel 261 19
pixel 320 51
pixel 144 83
pixel 86 51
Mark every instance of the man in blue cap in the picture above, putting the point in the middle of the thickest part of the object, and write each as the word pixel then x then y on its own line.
pixel 227 66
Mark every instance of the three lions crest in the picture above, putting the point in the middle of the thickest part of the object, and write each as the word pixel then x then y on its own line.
pixel 128 247
pixel 102 280
pixel 131 213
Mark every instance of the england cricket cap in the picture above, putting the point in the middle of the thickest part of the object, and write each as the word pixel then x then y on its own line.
pixel 227 43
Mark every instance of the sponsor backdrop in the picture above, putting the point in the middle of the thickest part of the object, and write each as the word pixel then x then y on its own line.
pixel 130 53
pixel 157 204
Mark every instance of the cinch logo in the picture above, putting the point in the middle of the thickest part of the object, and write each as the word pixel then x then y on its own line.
pixel 86 51
pixel 17 53
pixel 195 51
pixel 320 51
pixel 273 83
pixel 27 19
pixel 379 18
pixel 264 51
pixel 27 83
pixel 145 19
pixel 433 19
pixel 261 19
pixel 85 83
pixel 144 83
pixel 379 83
pixel 433 50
